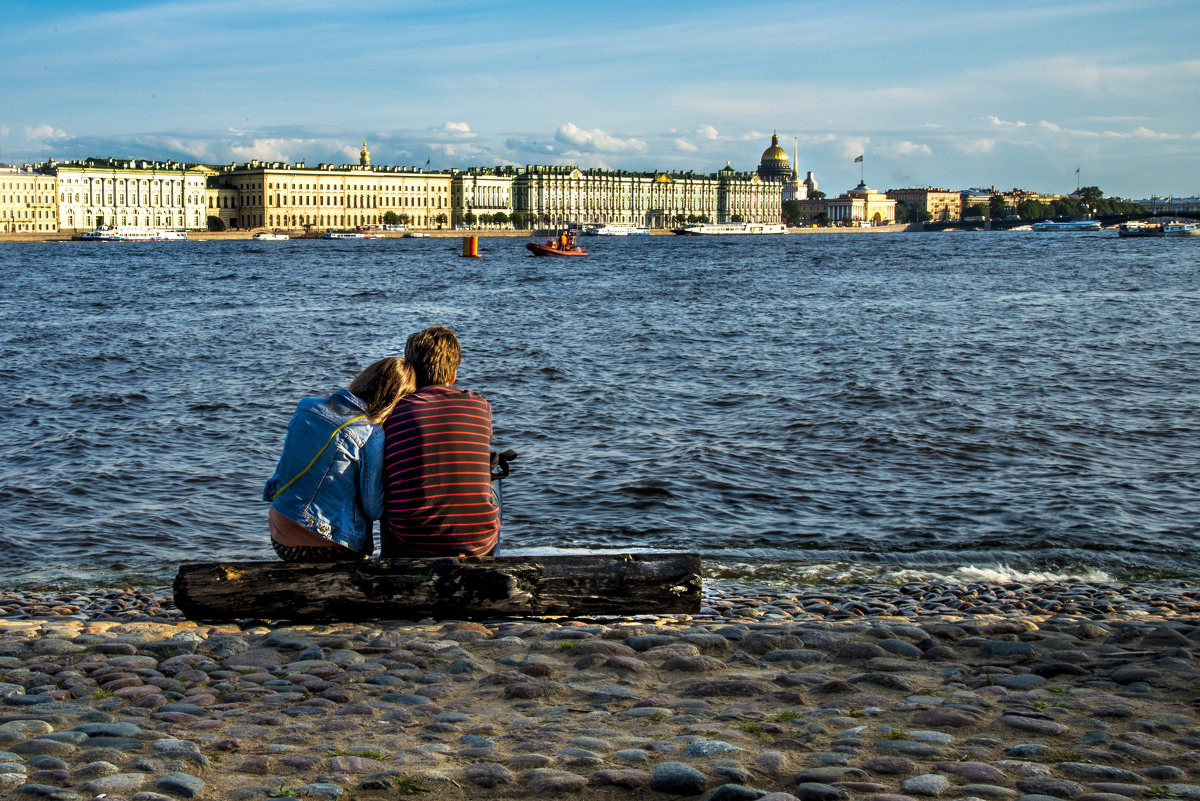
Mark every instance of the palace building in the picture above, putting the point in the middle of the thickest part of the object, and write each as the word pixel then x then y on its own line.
pixel 99 192
pixel 282 195
pixel 941 204
pixel 27 201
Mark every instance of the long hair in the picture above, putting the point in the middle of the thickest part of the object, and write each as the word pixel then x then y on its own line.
pixel 382 384
pixel 434 354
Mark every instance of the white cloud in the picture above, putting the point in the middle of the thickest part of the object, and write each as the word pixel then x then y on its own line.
pixel 1141 132
pixel 3 130
pixel 997 121
pixel 907 148
pixel 706 132
pixel 597 140
pixel 459 128
pixel 43 132
pixel 685 145
pixel 976 146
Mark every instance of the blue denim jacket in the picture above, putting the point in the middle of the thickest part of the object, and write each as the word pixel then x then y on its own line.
pixel 341 494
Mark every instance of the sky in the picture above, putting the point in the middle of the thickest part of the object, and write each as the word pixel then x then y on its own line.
pixel 946 94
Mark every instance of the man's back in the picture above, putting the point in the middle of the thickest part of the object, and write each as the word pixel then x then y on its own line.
pixel 437 476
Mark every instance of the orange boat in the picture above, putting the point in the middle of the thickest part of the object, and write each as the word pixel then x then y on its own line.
pixel 562 245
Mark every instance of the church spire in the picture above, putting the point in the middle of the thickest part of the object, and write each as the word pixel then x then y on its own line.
pixel 364 158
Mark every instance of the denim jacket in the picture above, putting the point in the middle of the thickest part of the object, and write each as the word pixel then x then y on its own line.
pixel 341 494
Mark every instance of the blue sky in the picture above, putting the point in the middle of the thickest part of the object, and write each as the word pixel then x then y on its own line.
pixel 953 94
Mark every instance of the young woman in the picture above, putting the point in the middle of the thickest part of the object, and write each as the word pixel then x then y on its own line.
pixel 327 490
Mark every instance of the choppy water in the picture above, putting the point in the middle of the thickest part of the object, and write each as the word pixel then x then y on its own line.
pixel 824 406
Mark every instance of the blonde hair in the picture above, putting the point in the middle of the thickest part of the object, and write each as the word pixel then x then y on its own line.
pixel 434 354
pixel 382 384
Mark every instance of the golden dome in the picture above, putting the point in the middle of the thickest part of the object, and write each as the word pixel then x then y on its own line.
pixel 775 154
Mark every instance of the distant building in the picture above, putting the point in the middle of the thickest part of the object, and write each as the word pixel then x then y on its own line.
pixel 481 191
pixel 1170 205
pixel 281 195
pixel 557 196
pixel 96 192
pixel 941 204
pixel 27 201
pixel 974 197
pixel 862 205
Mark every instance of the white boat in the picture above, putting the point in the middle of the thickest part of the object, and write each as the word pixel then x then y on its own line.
pixel 133 233
pixel 416 235
pixel 617 229
pixel 270 235
pixel 351 235
pixel 1069 225
pixel 732 229
pixel 1138 228
pixel 1177 228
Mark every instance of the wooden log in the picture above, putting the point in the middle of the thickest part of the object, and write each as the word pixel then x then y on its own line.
pixel 470 587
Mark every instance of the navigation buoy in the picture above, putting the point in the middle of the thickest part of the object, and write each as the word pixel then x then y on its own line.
pixel 471 246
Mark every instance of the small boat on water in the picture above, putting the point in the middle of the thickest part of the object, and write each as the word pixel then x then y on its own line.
pixel 1179 228
pixel 133 233
pixel 732 229
pixel 1139 228
pixel 351 235
pixel 562 245
pixel 617 229
pixel 272 236
pixel 416 235
pixel 1069 225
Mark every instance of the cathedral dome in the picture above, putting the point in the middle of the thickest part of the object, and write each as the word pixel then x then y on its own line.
pixel 774 163
pixel 774 154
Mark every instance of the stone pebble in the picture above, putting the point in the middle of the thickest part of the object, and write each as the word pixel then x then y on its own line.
pixel 916 691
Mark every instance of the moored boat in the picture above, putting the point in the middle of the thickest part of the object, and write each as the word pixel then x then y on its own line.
pixel 732 229
pixel 1138 228
pixel 1069 225
pixel 351 235
pixel 617 229
pixel 562 245
pixel 133 233
pixel 270 235
pixel 1179 228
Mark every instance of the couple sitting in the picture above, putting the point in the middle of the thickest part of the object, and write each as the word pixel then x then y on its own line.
pixel 401 445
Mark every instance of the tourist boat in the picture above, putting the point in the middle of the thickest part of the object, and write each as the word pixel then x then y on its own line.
pixel 351 235
pixel 1139 228
pixel 562 245
pixel 732 229
pixel 133 233
pixel 617 229
pixel 1178 228
pixel 416 235
pixel 270 235
pixel 1069 225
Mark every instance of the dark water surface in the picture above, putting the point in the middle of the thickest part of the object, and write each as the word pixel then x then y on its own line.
pixel 818 406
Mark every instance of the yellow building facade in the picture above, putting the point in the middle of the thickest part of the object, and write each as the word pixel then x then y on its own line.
pixel 281 195
pixel 862 205
pixel 27 201
pixel 941 204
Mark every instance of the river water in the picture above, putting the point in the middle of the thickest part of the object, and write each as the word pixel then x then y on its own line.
pixel 817 407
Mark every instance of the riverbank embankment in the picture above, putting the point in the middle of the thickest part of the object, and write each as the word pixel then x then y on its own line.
pixel 225 236
pixel 1072 691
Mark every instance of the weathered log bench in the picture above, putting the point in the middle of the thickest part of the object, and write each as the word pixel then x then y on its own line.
pixel 472 587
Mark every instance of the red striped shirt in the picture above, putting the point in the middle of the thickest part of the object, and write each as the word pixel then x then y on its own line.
pixel 437 476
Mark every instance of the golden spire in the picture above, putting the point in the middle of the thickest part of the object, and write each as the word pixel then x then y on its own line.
pixel 364 158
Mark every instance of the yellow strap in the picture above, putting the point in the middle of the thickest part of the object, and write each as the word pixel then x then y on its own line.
pixel 318 456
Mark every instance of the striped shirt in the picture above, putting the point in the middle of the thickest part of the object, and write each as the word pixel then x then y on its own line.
pixel 437 476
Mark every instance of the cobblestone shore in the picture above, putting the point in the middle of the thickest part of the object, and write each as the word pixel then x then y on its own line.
pixel 996 692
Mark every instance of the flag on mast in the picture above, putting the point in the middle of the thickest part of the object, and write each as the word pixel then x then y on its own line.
pixel 857 159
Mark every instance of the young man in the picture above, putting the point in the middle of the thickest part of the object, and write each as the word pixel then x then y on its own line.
pixel 437 460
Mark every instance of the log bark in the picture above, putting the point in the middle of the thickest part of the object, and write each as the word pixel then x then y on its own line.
pixel 471 587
